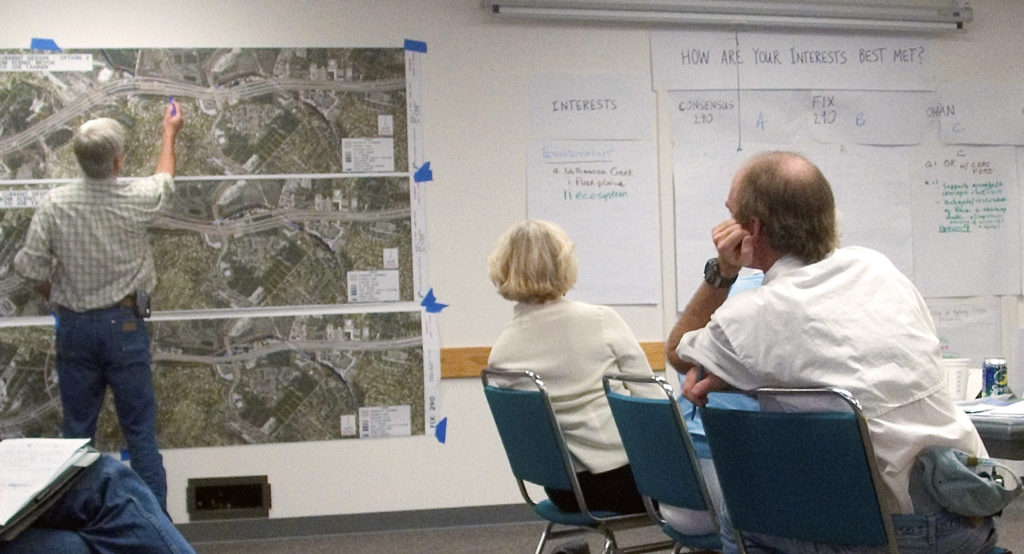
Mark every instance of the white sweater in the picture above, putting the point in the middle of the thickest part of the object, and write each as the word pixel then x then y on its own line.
pixel 571 345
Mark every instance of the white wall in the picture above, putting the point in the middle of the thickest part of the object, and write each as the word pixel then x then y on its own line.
pixel 475 124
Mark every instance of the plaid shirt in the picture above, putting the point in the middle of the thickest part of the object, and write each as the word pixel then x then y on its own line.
pixel 89 240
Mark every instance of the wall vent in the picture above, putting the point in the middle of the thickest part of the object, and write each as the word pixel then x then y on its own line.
pixel 228 497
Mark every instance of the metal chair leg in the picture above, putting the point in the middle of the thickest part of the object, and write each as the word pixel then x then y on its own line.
pixel 544 538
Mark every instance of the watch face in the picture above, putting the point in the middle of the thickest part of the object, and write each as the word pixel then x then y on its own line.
pixel 713 277
pixel 711 269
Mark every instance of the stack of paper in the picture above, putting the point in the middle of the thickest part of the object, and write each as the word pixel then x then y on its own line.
pixel 29 466
pixel 1003 405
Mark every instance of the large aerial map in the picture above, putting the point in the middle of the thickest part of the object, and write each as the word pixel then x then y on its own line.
pixel 265 214
pixel 245 380
pixel 292 190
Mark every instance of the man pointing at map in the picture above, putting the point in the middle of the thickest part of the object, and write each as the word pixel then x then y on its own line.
pixel 87 251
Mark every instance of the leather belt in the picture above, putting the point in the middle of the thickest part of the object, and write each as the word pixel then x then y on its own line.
pixel 126 302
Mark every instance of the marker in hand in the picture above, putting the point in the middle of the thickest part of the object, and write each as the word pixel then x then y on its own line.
pixel 174 111
pixel 700 376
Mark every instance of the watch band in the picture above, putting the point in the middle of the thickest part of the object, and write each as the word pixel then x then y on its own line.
pixel 714 278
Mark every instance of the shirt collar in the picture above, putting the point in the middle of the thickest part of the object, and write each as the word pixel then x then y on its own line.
pixel 105 182
pixel 787 263
pixel 782 265
pixel 522 308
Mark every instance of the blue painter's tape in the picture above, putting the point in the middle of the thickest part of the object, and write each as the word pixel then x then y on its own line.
pixel 45 44
pixel 125 457
pixel 441 429
pixel 415 46
pixel 431 304
pixel 423 173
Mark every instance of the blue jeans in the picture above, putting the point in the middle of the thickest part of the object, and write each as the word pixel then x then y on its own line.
pixel 110 347
pixel 938 533
pixel 108 510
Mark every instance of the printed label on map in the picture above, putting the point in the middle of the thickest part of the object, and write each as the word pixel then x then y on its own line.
pixel 373 286
pixel 10 199
pixel 390 258
pixel 45 62
pixel 349 427
pixel 385 125
pixel 384 421
pixel 367 155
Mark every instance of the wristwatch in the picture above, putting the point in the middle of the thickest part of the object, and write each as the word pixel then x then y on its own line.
pixel 714 278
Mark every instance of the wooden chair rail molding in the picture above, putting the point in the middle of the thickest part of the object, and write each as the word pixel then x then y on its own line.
pixel 467 361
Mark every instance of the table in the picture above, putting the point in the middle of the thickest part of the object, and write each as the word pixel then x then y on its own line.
pixel 1003 436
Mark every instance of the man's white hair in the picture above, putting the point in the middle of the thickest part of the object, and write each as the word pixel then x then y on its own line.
pixel 97 144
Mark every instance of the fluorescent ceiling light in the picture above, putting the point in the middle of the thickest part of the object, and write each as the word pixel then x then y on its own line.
pixel 918 16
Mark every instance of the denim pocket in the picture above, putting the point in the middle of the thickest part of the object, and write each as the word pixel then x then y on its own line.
pixel 132 334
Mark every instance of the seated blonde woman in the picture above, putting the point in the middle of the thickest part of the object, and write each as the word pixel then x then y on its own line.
pixel 570 345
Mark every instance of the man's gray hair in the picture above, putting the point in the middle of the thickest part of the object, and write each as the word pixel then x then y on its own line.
pixel 97 144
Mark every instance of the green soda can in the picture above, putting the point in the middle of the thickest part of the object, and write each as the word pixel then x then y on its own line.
pixel 993 377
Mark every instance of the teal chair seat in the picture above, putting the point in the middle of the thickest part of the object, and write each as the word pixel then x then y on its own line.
pixel 661 454
pixel 537 454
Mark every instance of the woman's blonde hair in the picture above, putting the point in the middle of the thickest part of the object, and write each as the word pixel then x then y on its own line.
pixel 533 262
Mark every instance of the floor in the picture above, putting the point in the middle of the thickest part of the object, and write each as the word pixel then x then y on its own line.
pixel 497 539
pixel 518 538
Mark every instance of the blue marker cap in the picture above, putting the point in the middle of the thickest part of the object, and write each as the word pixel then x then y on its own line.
pixel 174 111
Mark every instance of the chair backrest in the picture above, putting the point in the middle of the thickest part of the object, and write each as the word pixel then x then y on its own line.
pixel 657 444
pixel 526 423
pixel 807 475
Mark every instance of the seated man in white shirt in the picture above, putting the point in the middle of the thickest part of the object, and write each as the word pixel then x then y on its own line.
pixel 825 317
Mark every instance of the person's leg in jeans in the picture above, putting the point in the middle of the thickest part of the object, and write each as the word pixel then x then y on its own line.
pixel 941 533
pixel 129 376
pixel 79 374
pixel 110 510
pixel 34 541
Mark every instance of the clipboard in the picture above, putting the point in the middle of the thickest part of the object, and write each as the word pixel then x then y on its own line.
pixel 49 492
